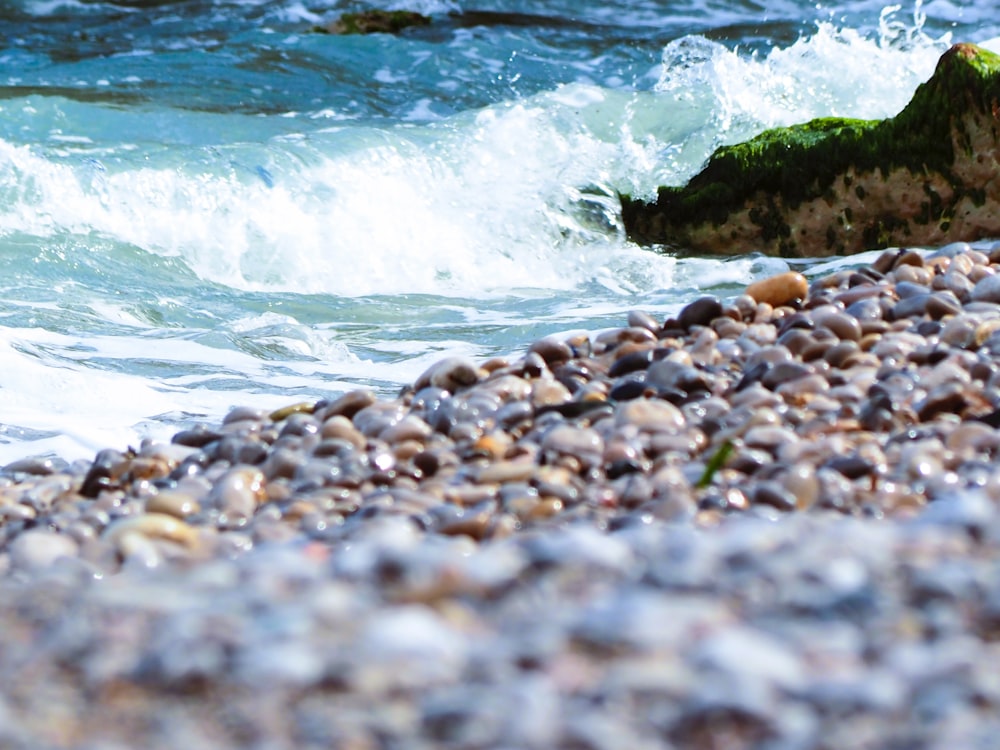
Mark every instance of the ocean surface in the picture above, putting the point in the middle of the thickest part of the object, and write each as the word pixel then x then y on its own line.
pixel 209 204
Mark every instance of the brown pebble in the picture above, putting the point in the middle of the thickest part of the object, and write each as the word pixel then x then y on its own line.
pixel 914 274
pixel 472 524
pixel 177 504
pixel 552 350
pixel 339 427
pixel 783 289
pixel 546 508
pixel 350 404
pixel 842 325
pixel 303 407
pixel 908 258
pixel 152 526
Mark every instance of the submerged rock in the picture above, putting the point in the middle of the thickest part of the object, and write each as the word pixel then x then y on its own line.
pixel 928 176
pixel 375 22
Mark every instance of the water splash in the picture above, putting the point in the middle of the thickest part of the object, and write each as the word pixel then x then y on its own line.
pixel 826 74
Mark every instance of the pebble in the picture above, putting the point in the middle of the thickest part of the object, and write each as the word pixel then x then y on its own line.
pixel 735 528
pixel 987 289
pixel 782 289
pixel 701 312
pixel 37 549
pixel 177 504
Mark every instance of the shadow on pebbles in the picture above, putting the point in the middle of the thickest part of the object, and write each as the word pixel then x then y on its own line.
pixel 769 522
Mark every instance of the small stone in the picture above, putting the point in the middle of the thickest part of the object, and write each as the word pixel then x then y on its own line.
pixel 701 312
pixel 911 307
pixel 987 289
pixel 650 414
pixel 943 304
pixel 553 351
pixel 303 407
pixel 783 289
pixel 842 325
pixel 37 549
pixel 177 504
pixel 573 441
pixel 409 427
pixel 631 362
pixel 947 398
pixel 671 375
pixel 452 374
pixel 641 319
pixel 153 526
pixel 350 404
pixel 39 466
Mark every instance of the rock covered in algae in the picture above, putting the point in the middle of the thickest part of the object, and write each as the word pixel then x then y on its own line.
pixel 832 186
pixel 375 22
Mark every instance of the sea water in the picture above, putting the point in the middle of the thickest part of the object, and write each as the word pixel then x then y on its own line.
pixel 208 204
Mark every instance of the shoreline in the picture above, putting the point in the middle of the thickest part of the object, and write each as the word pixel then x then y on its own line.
pixel 768 522
pixel 870 390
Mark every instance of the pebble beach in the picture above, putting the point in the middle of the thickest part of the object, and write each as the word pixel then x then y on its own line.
pixel 768 522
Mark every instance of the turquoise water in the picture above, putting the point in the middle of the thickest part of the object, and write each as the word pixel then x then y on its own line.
pixel 205 204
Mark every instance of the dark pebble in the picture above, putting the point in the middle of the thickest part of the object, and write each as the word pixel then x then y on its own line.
pixel 701 312
pixel 774 495
pixel 628 389
pixel 552 351
pixel 631 362
pixel 668 375
pixel 909 307
pixel 837 354
pixel 852 467
pixel 943 303
pixel 948 398
pixel 196 437
pixel 785 372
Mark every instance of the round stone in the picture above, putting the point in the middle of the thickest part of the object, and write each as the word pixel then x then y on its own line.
pixel 701 312
pixel 650 414
pixel 987 289
pixel 783 289
pixel 39 548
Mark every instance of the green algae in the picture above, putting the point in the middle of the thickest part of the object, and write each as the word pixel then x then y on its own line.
pixel 716 462
pixel 375 22
pixel 781 168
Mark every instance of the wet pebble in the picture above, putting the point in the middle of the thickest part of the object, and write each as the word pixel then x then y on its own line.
pixel 987 289
pixel 737 528
pixel 782 289
pixel 701 312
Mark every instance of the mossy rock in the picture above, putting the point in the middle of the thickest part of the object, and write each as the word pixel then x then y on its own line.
pixel 375 22
pixel 928 176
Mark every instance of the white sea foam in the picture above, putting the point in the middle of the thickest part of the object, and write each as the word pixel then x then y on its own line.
pixel 506 217
pixel 828 74
pixel 74 396
pixel 480 205
pixel 518 195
